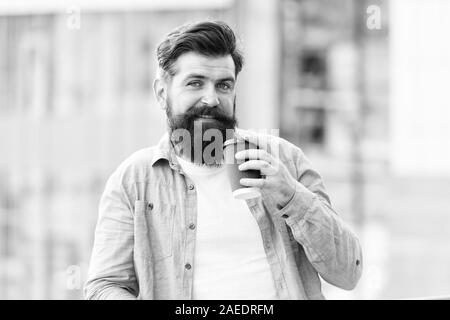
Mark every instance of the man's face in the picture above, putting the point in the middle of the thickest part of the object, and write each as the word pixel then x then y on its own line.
pixel 202 93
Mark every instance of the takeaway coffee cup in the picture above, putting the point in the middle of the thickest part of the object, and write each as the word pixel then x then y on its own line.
pixel 231 147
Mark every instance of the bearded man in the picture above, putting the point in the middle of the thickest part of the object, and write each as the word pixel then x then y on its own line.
pixel 169 226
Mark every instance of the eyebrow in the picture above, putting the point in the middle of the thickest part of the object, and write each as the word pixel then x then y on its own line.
pixel 200 76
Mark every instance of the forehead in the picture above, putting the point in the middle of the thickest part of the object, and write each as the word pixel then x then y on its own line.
pixel 211 67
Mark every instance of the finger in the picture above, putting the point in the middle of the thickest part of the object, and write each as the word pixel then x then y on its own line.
pixel 254 154
pixel 263 141
pixel 263 166
pixel 260 183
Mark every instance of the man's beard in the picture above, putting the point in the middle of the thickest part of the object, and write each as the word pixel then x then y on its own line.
pixel 187 133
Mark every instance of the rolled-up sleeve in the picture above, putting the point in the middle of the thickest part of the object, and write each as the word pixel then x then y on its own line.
pixel 111 272
pixel 330 245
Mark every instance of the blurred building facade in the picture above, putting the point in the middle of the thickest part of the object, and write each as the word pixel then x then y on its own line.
pixel 75 102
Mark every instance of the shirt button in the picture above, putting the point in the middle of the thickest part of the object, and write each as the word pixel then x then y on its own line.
pixel 192 226
pixel 285 216
pixel 150 206
pixel 187 266
pixel 191 187
pixel 357 262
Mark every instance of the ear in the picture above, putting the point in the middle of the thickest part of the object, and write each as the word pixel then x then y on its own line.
pixel 160 90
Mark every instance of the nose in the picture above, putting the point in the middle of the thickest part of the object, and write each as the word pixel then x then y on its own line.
pixel 210 97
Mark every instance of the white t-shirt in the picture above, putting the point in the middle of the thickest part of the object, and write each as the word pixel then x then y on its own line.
pixel 230 261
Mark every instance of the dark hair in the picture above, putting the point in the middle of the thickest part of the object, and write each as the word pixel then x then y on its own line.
pixel 210 38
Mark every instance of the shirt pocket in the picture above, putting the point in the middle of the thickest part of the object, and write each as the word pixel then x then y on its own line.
pixel 154 226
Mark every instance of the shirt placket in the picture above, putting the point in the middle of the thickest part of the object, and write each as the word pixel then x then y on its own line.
pixel 190 194
pixel 189 246
pixel 269 248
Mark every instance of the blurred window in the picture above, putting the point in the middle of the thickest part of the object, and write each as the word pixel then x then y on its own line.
pixel 312 126
pixel 313 70
pixel 311 112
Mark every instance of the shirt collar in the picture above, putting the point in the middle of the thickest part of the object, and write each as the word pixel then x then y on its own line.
pixel 164 150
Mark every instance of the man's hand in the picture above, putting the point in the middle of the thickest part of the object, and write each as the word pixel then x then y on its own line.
pixel 276 177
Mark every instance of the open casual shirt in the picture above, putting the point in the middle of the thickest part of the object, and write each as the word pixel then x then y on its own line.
pixel 145 237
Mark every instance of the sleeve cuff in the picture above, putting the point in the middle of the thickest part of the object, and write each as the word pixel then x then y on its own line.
pixel 299 204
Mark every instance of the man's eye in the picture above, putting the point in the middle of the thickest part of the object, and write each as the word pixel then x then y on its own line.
pixel 224 86
pixel 194 84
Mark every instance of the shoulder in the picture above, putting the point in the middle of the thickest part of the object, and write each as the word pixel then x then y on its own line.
pixel 136 168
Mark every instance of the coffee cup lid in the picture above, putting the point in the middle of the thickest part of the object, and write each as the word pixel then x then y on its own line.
pixel 246 193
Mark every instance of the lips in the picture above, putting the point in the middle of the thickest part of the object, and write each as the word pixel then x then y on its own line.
pixel 206 117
